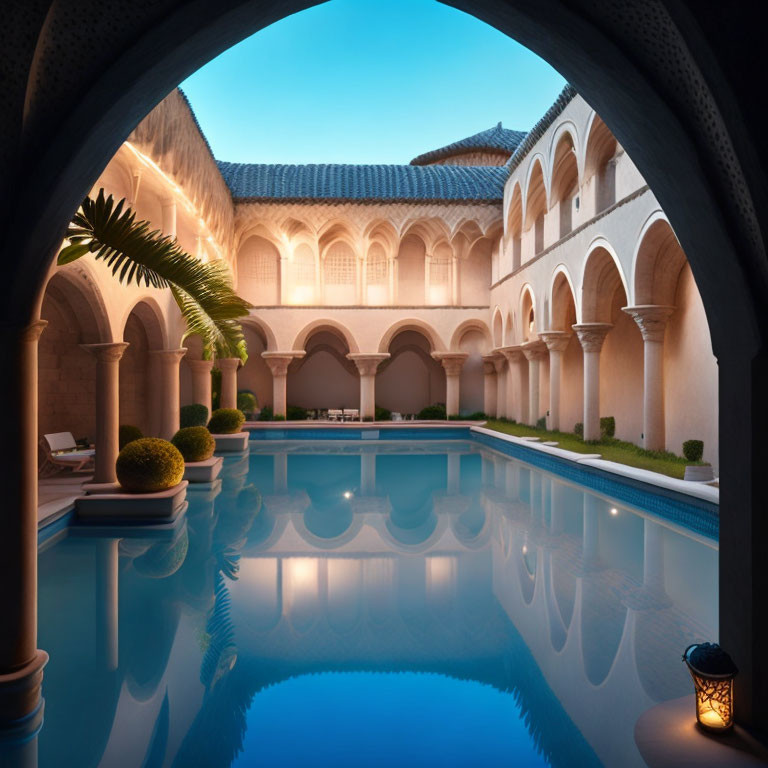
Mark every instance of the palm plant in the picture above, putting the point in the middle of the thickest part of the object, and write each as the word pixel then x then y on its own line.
pixel 203 291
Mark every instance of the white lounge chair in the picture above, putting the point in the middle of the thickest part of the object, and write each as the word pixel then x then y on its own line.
pixel 396 416
pixel 335 414
pixel 61 452
pixel 351 414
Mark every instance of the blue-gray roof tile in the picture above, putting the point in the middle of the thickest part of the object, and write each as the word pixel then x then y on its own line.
pixel 364 183
pixel 496 139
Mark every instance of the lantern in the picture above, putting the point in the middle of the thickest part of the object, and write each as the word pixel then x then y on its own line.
pixel 712 670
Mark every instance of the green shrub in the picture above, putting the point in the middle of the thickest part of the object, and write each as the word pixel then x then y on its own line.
pixel 295 413
pixel 215 388
pixel 226 421
pixel 148 465
pixel 456 417
pixel 436 411
pixel 693 450
pixel 541 423
pixel 246 402
pixel 278 417
pixel 162 559
pixel 382 414
pixel 195 415
pixel 578 429
pixel 477 416
pixel 127 434
pixel 607 426
pixel 194 443
pixel 266 413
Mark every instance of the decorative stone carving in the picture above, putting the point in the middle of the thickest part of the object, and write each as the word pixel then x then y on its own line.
pixel 556 341
pixel 110 352
pixel 534 350
pixel 278 362
pixel 453 362
pixel 592 335
pixel 651 319
pixel 367 363
pixel 489 365
pixel 512 354
pixel 34 330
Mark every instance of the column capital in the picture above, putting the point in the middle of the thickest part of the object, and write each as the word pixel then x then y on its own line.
pixel 489 364
pixel 199 365
pixel 228 363
pixel 512 354
pixel 31 332
pixel 556 341
pixel 499 360
pixel 651 319
pixel 592 335
pixel 109 352
pixel 534 350
pixel 169 355
pixel 453 362
pixel 278 362
pixel 366 362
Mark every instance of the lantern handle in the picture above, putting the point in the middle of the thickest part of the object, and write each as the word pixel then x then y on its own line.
pixel 685 652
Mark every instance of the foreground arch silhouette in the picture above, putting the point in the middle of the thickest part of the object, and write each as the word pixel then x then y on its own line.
pixel 673 84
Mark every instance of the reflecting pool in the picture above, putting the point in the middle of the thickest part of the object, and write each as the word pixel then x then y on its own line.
pixel 366 603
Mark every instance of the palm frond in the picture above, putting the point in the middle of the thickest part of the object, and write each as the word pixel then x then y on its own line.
pixel 135 253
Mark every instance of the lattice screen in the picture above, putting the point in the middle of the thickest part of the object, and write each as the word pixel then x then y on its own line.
pixel 304 266
pixel 339 268
pixel 376 267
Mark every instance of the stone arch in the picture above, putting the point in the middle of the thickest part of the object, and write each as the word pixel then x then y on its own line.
pixel 326 324
pixel 536 202
pixel 562 300
pixel 599 167
pixel 258 270
pixel 657 263
pixel 529 322
pixel 475 273
pixel 147 309
pixel 564 183
pixel 498 328
pixel 515 225
pixel 412 324
pixel 409 269
pixel 255 375
pixel 474 325
pixel 303 273
pixel 602 277
pixel 509 329
pixel 339 272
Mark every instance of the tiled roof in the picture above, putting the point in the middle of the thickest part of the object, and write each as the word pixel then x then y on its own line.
pixel 496 139
pixel 362 183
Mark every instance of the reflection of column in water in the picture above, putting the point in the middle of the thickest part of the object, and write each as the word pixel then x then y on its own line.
pixel 499 472
pixel 653 556
pixel 368 474
pixel 486 471
pixel 107 602
pixel 590 530
pixel 557 506
pixel 537 510
pixel 454 473
pixel 18 745
pixel 280 476
pixel 512 480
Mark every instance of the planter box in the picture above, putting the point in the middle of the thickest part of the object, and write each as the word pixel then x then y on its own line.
pixel 699 473
pixel 235 443
pixel 203 471
pixel 106 503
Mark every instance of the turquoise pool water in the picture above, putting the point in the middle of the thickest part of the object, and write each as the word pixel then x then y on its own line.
pixel 373 603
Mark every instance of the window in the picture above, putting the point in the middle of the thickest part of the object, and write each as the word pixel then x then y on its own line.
pixel 376 267
pixel 339 265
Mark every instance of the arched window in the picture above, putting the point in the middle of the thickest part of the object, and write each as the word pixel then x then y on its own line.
pixel 259 271
pixel 303 275
pixel 376 267
pixel 339 274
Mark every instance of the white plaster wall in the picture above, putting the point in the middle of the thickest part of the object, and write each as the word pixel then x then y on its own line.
pixel 471 380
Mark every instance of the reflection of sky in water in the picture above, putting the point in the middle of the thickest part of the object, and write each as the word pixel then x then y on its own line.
pixel 409 719
pixel 522 620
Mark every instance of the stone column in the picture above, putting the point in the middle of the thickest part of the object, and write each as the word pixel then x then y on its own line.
pixel 514 356
pixel 201 382
pixel 452 363
pixel 652 321
pixel 278 363
pixel 427 278
pixel 454 281
pixel 490 385
pixel 228 367
pixel 500 364
pixel 168 209
pixel 534 351
pixel 367 365
pixel 21 663
pixel 107 407
pixel 557 343
pixel 168 361
pixel 591 336
pixel 107 602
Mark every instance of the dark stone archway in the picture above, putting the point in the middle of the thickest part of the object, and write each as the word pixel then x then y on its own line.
pixel 674 80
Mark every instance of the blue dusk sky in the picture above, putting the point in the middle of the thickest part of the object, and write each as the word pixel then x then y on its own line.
pixel 366 81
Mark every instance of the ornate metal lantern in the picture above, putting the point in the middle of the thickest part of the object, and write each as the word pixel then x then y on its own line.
pixel 712 670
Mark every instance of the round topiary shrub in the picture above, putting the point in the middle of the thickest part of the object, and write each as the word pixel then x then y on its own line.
pixel 693 450
pixel 436 411
pixel 148 465
pixel 127 434
pixel 162 559
pixel 194 443
pixel 226 421
pixel 195 415
pixel 246 402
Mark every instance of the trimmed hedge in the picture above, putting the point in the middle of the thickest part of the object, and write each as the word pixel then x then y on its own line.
pixel 578 429
pixel 436 411
pixel 246 401
pixel 195 415
pixel 226 421
pixel 607 426
pixel 693 450
pixel 382 414
pixel 541 423
pixel 148 465
pixel 127 434
pixel 266 413
pixel 194 443
pixel 295 413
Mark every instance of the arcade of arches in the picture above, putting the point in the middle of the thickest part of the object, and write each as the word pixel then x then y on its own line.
pixel 555 288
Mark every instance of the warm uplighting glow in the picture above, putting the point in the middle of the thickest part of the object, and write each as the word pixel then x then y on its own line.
pixel 712 671
pixel 347 494
pixel 614 511
pixel 525 549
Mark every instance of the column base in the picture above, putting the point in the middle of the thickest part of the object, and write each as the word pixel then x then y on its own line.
pixel 20 694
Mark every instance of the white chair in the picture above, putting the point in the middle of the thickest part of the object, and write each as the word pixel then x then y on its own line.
pixel 351 414
pixel 396 416
pixel 335 414
pixel 61 452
